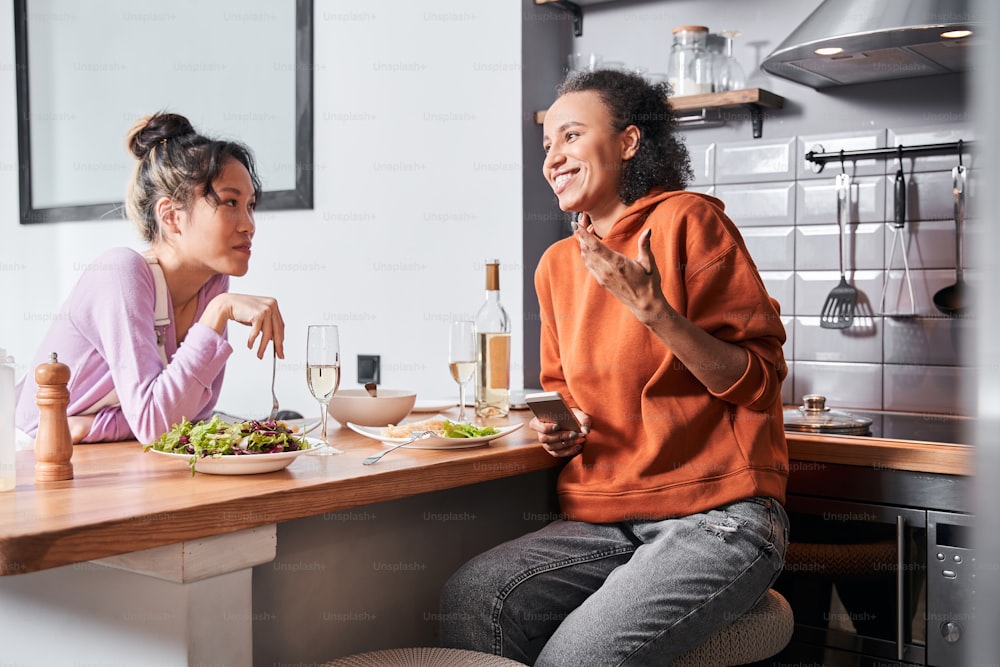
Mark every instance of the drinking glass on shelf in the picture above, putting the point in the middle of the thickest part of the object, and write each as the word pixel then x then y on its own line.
pixel 583 61
pixel 323 369
pixel 758 78
pixel 462 357
pixel 731 75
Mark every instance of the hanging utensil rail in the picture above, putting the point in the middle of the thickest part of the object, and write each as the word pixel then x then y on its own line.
pixel 819 157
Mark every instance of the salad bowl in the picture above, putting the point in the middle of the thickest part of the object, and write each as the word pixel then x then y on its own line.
pixel 244 464
pixel 219 447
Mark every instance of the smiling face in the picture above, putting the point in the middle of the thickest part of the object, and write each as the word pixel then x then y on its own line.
pixel 217 238
pixel 584 155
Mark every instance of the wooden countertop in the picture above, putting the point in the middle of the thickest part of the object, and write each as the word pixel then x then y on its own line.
pixel 122 499
pixel 930 457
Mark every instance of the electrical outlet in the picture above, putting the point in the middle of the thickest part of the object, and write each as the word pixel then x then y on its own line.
pixel 369 368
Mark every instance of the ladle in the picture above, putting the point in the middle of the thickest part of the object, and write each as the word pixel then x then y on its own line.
pixel 953 300
pixel 372 389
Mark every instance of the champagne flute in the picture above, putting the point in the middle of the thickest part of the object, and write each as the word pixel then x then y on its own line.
pixel 462 358
pixel 323 369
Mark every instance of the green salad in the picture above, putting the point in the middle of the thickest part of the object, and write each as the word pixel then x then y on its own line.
pixel 459 430
pixel 216 438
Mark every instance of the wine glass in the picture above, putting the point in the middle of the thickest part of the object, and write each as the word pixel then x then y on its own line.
pixel 731 75
pixel 758 78
pixel 323 369
pixel 462 358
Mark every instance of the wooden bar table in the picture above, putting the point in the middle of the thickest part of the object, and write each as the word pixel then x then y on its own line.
pixel 136 561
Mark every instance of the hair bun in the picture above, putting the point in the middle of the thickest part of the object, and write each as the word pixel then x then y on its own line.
pixel 153 129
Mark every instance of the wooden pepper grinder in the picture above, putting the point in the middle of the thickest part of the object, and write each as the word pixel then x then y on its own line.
pixel 53 443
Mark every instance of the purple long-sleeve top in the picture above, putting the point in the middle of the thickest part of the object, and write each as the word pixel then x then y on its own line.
pixel 105 334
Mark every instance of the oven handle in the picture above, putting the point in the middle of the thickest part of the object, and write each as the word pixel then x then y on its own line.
pixel 900 582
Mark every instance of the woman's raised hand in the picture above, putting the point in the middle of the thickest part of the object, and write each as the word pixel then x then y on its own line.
pixel 260 313
pixel 634 282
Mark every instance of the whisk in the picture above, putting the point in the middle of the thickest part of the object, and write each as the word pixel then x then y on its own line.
pixel 899 219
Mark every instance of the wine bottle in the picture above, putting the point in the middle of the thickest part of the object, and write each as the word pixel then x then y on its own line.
pixel 492 350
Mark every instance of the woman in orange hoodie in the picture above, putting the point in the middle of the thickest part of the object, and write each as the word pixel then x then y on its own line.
pixel 658 332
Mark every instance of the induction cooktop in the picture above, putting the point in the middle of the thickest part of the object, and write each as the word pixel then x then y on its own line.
pixel 927 427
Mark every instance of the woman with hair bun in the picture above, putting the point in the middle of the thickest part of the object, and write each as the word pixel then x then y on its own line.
pixel 192 199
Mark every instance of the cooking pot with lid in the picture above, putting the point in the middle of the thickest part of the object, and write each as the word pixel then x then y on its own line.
pixel 814 417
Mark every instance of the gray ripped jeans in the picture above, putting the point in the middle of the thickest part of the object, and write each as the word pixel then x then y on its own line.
pixel 632 593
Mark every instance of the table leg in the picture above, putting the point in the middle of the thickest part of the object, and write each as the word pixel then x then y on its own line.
pixel 182 604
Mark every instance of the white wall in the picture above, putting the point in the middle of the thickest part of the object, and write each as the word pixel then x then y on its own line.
pixel 418 180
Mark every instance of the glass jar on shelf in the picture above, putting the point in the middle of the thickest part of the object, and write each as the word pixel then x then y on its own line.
pixel 689 69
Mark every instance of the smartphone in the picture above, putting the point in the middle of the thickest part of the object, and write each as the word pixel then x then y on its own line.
pixel 549 406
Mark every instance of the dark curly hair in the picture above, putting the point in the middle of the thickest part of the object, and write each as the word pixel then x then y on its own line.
pixel 174 160
pixel 662 160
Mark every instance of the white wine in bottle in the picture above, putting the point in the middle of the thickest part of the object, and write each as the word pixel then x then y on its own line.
pixel 492 350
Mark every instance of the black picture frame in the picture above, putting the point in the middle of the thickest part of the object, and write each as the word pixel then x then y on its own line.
pixel 301 197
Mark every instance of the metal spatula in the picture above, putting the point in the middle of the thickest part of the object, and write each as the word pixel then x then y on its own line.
pixel 838 311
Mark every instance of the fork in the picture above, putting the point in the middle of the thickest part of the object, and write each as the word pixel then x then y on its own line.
pixel 274 397
pixel 416 435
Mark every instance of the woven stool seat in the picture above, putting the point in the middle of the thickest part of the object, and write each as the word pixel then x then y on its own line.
pixel 869 560
pixel 757 635
pixel 423 657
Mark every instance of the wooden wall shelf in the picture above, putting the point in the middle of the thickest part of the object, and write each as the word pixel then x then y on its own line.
pixel 754 99
pixel 757 96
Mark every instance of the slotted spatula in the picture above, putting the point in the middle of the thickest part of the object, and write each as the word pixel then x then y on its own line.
pixel 838 311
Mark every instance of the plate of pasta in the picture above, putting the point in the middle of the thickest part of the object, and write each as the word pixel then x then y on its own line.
pixel 448 434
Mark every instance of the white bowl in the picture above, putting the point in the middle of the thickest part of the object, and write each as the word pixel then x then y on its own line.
pixel 390 406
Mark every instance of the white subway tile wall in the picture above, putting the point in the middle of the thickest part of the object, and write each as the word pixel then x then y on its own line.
pixel 781 286
pixel 895 357
pixel 817 200
pixel 832 143
pixel 819 246
pixel 919 388
pixel 813 287
pixel 755 161
pixel 787 389
pixel 930 244
pixel 818 344
pixel 929 136
pixel 759 204
pixel 702 163
pixel 773 248
pixel 845 384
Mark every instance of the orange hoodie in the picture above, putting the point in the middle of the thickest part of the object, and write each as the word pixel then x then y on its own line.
pixel 661 444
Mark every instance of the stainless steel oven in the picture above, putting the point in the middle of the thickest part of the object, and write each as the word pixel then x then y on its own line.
pixel 884 578
pixel 951 579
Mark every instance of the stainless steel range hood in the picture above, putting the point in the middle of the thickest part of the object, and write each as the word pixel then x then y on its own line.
pixel 878 41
